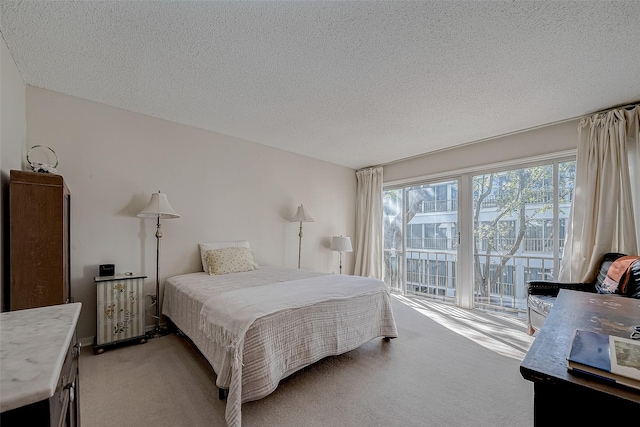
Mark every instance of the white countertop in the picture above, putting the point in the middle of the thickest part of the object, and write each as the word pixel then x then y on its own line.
pixel 33 345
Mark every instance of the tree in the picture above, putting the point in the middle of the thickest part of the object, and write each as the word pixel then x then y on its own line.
pixel 394 213
pixel 392 237
pixel 505 201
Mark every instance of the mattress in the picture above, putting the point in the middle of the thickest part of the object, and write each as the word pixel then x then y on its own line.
pixel 289 336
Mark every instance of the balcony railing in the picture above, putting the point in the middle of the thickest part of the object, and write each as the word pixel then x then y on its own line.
pixel 430 206
pixel 428 272
pixel 437 243
pixel 432 273
pixel 510 293
pixel 394 269
pixel 529 244
pixel 537 196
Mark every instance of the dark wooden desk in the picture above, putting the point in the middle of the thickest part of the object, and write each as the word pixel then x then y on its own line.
pixel 556 390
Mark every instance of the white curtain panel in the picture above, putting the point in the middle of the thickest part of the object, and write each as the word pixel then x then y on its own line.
pixel 368 239
pixel 633 145
pixel 607 182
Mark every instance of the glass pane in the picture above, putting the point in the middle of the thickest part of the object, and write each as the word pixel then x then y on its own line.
pixel 392 231
pixel 431 215
pixel 514 231
pixel 566 180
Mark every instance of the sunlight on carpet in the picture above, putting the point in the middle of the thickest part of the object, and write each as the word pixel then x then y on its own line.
pixel 495 335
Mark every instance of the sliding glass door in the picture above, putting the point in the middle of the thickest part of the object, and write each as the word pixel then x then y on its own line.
pixel 393 232
pixel 421 238
pixel 519 218
pixel 477 239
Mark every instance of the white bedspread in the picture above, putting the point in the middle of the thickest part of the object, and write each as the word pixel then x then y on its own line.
pixel 272 322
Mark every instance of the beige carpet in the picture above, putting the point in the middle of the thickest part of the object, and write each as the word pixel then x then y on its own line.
pixel 449 367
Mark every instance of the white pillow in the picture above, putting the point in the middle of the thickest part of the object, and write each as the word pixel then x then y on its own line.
pixel 230 260
pixel 204 247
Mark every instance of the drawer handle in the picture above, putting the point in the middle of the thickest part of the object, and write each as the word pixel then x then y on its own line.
pixel 66 386
pixel 75 351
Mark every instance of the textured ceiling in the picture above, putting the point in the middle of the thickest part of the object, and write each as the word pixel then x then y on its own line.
pixel 352 83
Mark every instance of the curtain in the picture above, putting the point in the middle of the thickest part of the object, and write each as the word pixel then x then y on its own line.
pixel 602 211
pixel 368 238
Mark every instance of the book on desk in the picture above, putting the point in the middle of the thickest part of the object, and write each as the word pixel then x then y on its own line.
pixel 605 357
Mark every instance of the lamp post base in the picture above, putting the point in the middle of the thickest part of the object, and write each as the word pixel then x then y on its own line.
pixel 157 332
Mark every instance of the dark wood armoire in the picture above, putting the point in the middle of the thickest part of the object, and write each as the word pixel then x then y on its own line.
pixel 39 232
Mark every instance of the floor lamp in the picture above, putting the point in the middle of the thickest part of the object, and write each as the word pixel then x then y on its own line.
pixel 158 207
pixel 341 244
pixel 301 216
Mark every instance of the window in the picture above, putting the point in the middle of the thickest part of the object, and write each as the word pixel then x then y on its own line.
pixel 539 274
pixel 515 233
pixel 415 236
pixel 393 239
pixel 496 236
pixel 430 219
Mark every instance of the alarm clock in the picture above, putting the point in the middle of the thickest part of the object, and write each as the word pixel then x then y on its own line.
pixel 107 270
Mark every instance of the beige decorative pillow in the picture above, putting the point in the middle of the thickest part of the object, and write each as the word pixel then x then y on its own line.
pixel 204 247
pixel 230 260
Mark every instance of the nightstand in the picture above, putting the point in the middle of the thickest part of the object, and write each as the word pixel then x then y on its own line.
pixel 120 310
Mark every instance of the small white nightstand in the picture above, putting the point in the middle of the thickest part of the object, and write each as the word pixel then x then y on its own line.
pixel 120 310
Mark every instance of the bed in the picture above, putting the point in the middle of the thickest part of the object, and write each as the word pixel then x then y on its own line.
pixel 259 325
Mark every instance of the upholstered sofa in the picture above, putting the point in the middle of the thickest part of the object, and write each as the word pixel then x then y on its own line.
pixel 541 294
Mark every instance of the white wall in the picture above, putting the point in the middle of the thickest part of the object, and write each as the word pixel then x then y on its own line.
pixel 536 142
pixel 223 188
pixel 13 132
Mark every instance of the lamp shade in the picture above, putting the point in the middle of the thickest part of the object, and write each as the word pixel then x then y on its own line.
pixel 158 207
pixel 302 215
pixel 341 244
